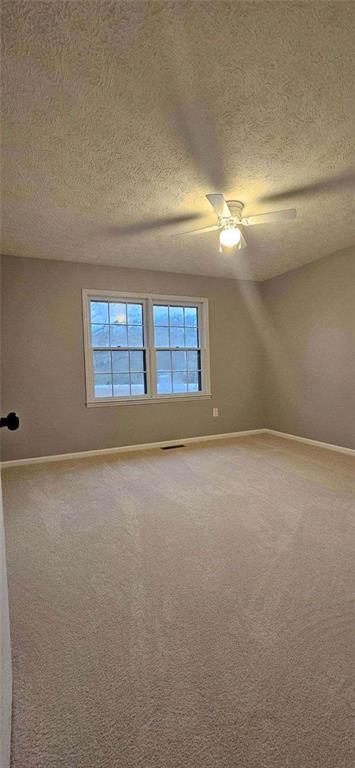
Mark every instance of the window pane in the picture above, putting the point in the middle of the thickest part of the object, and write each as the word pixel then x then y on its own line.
pixel 135 336
pixel 177 337
pixel 120 362
pixel 191 337
pixel 176 315
pixel 135 314
pixel 118 335
pixel 103 385
pixel 161 337
pixel 164 383
pixel 161 315
pixel 136 361
pixel 179 381
pixel 118 313
pixel 163 361
pixel 137 384
pixel 102 362
pixel 121 386
pixel 179 361
pixel 99 312
pixel 100 336
pixel 193 360
pixel 191 316
pixel 194 381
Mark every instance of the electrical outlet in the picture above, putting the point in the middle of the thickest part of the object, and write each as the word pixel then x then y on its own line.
pixel 215 412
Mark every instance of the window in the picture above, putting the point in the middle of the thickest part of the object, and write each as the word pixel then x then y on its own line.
pixel 118 352
pixel 144 348
pixel 178 354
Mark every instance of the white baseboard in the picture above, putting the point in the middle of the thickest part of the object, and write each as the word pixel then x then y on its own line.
pixel 166 443
pixel 128 448
pixel 308 441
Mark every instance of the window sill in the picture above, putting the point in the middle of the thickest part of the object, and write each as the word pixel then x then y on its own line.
pixel 150 400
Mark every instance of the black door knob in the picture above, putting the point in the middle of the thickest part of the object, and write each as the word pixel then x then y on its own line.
pixel 11 421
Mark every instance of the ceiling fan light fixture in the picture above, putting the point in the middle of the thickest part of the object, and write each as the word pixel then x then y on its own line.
pixel 229 237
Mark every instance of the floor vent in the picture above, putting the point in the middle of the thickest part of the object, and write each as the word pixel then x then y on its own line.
pixel 169 447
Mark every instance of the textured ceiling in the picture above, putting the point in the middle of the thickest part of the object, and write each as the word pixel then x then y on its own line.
pixel 116 113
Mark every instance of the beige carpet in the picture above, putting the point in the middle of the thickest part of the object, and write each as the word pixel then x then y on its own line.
pixel 183 609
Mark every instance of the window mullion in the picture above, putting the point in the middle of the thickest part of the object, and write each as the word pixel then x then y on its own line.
pixel 109 339
pixel 118 349
pixel 152 368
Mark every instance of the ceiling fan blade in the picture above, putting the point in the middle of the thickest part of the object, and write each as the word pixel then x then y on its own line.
pixel 342 181
pixel 196 129
pixel 139 227
pixel 190 102
pixel 219 204
pixel 201 231
pixel 269 218
pixel 243 243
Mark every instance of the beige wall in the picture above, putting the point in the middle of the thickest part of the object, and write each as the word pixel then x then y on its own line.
pixel 311 367
pixel 282 355
pixel 43 366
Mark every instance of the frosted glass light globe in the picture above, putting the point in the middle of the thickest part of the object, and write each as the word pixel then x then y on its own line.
pixel 230 236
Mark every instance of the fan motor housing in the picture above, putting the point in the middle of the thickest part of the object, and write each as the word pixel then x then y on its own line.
pixel 236 208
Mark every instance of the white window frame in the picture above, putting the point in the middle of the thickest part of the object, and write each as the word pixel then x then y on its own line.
pixel 151 375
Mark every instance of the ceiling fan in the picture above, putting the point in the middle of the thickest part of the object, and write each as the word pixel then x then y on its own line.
pixel 231 221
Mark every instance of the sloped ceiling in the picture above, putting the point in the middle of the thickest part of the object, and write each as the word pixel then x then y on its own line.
pixel 116 113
